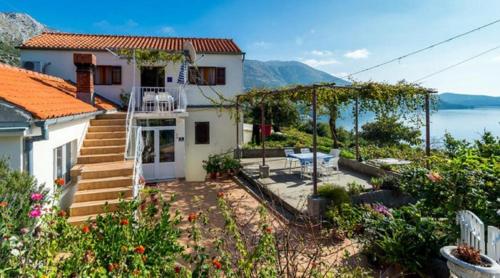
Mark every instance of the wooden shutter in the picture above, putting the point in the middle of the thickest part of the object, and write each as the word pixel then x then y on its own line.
pixel 220 76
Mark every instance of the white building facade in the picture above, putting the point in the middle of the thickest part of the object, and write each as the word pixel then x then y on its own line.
pixel 181 124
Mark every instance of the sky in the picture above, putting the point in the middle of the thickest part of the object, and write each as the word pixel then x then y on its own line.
pixel 339 37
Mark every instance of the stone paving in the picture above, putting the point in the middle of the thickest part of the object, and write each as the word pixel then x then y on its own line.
pixel 289 186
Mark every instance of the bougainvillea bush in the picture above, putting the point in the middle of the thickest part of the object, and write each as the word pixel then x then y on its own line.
pixel 139 239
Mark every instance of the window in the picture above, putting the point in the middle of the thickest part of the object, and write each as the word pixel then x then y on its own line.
pixel 108 75
pixel 207 76
pixel 32 65
pixel 64 159
pixel 202 133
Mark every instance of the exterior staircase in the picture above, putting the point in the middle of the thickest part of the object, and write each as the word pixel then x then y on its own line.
pixel 102 173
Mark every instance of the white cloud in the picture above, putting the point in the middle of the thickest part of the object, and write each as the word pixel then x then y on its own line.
pixel 261 44
pixel 358 54
pixel 321 53
pixel 496 59
pixel 169 30
pixel 318 63
pixel 101 24
pixel 131 23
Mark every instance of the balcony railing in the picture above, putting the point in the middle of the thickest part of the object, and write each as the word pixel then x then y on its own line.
pixel 160 99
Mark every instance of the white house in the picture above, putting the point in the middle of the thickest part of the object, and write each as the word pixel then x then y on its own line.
pixel 42 123
pixel 181 125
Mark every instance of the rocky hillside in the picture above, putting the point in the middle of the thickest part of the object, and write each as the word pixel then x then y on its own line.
pixel 15 28
pixel 271 74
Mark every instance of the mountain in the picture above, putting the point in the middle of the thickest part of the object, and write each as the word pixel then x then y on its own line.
pixel 16 28
pixel 464 101
pixel 258 74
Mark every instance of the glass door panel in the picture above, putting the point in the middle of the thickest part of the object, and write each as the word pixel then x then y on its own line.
pixel 167 146
pixel 148 155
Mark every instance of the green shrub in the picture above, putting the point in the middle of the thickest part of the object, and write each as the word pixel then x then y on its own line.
pixel 376 183
pixel 334 193
pixel 347 154
pixel 354 188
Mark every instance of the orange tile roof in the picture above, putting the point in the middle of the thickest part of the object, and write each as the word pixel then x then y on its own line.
pixel 51 40
pixel 44 96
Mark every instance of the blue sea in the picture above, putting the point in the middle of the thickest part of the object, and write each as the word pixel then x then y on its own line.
pixel 466 124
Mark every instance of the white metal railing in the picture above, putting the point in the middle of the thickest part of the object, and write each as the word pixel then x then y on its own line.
pixel 160 99
pixel 137 171
pixel 129 121
pixel 493 244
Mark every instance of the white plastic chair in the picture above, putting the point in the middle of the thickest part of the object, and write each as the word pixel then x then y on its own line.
pixel 308 168
pixel 493 244
pixel 471 230
pixel 335 152
pixel 330 167
pixel 289 160
pixel 305 150
pixel 165 102
pixel 149 102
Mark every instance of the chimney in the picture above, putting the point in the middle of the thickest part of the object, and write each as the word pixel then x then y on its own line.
pixel 85 64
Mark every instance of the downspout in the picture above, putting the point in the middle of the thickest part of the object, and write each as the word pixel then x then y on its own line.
pixel 44 126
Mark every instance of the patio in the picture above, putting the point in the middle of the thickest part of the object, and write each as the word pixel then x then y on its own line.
pixel 289 186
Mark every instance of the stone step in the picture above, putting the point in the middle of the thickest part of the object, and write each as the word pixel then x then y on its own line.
pixel 78 220
pixel 108 116
pixel 106 135
pixel 102 194
pixel 109 182
pixel 102 150
pixel 107 170
pixel 99 158
pixel 107 122
pixel 106 128
pixel 103 142
pixel 94 207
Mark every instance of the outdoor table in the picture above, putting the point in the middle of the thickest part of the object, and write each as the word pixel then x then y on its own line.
pixel 308 157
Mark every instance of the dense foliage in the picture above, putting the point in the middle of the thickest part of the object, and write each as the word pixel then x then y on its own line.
pixel 468 178
pixel 386 131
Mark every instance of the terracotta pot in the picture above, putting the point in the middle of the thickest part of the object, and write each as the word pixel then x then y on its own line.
pixel 213 175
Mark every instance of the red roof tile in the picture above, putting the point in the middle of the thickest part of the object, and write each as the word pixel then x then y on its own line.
pixel 50 40
pixel 44 96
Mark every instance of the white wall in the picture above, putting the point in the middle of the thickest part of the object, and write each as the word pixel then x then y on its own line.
pixel 222 139
pixel 11 148
pixel 61 65
pixel 43 151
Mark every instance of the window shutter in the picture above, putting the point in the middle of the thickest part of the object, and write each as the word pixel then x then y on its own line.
pixel 221 76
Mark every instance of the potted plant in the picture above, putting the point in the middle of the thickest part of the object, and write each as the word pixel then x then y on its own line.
pixel 213 165
pixel 230 165
pixel 466 261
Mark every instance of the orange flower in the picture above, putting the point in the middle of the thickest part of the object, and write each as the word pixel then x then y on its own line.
pixel 220 195
pixel 62 213
pixel 85 229
pixel 192 217
pixel 434 176
pixel 3 204
pixel 268 230
pixel 59 181
pixel 140 249
pixel 124 222
pixel 216 264
pixel 112 266
pixel 136 272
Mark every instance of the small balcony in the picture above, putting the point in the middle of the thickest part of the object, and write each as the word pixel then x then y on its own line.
pixel 160 100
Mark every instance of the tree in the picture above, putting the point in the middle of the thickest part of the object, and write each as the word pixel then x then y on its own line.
pixel 388 130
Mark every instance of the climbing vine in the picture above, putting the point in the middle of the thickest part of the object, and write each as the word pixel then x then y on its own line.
pixel 147 57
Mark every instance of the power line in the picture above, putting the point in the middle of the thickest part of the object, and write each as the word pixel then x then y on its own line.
pixel 457 64
pixel 423 49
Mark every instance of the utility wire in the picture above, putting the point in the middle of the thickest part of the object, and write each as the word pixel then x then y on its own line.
pixel 457 64
pixel 423 49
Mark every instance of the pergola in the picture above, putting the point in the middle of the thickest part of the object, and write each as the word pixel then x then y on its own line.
pixel 313 91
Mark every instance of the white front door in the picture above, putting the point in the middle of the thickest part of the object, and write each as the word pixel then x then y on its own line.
pixel 158 157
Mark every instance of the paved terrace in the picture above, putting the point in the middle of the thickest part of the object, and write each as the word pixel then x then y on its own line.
pixel 289 186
